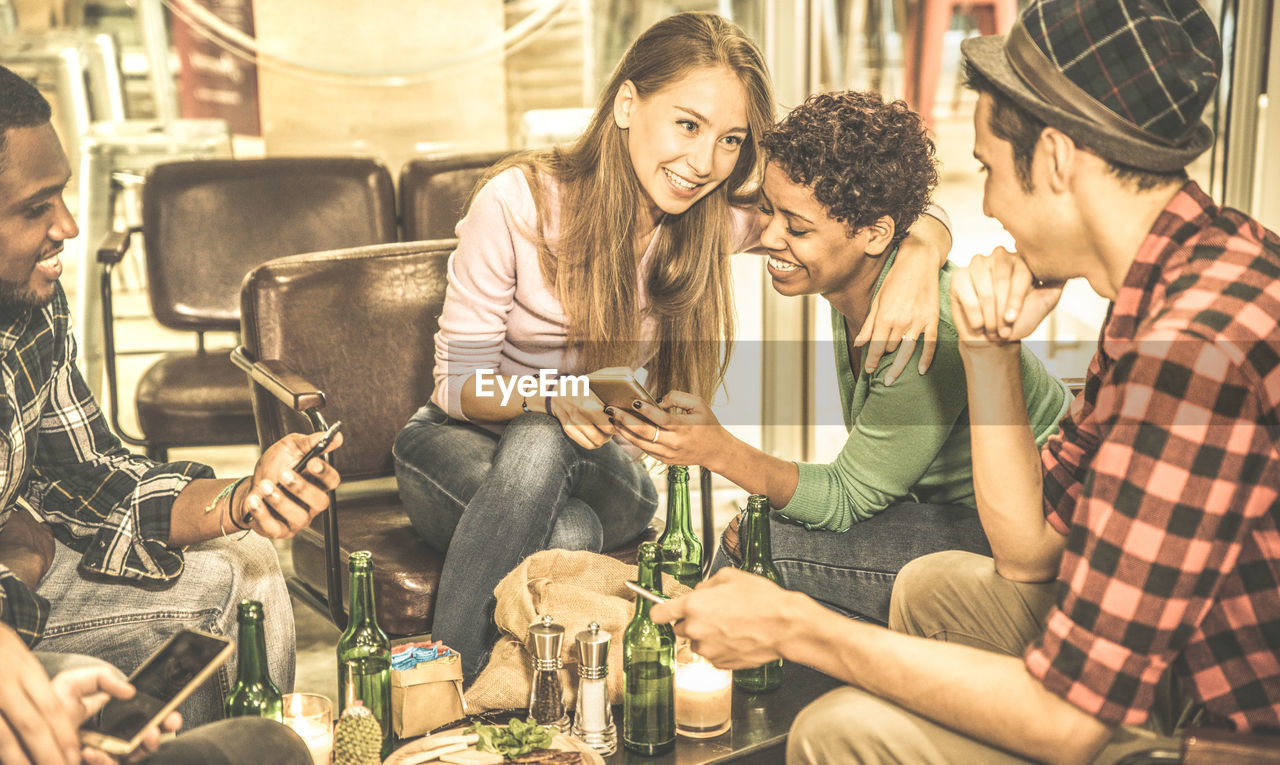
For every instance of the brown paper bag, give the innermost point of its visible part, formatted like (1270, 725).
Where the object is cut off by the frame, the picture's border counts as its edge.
(427, 696)
(575, 588)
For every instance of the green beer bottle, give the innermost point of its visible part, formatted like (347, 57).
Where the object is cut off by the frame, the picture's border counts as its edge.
(364, 653)
(681, 548)
(757, 558)
(253, 695)
(648, 670)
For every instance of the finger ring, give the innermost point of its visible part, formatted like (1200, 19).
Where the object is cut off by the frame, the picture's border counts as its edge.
(656, 433)
(908, 337)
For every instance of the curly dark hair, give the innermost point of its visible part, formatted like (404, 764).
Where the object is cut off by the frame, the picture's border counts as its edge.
(862, 157)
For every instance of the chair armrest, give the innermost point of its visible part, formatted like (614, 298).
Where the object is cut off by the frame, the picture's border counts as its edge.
(276, 378)
(114, 245)
(1211, 746)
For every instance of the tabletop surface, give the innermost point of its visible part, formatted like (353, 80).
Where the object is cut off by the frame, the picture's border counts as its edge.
(759, 722)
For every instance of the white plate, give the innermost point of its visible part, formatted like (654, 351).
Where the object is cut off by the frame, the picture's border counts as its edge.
(561, 741)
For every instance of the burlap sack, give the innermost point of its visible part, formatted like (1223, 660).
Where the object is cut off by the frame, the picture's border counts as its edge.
(575, 589)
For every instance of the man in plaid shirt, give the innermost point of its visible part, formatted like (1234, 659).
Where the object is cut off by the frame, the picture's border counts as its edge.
(1135, 584)
(103, 552)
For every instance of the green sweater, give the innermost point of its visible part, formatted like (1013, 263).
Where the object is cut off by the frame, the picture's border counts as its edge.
(909, 442)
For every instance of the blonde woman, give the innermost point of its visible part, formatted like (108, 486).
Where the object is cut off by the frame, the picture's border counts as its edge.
(613, 251)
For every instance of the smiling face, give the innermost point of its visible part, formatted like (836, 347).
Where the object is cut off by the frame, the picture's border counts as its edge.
(34, 220)
(811, 252)
(684, 139)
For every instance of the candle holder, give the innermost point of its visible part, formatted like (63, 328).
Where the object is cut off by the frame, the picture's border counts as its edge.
(311, 717)
(704, 696)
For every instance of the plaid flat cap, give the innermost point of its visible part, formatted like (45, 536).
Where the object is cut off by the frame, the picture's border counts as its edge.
(1129, 79)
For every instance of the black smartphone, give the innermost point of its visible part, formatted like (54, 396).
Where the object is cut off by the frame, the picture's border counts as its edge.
(163, 681)
(319, 448)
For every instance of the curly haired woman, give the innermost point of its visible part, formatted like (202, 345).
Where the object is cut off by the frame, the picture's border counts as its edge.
(846, 175)
(611, 251)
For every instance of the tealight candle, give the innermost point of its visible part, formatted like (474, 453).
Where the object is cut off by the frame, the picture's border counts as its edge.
(704, 696)
(311, 717)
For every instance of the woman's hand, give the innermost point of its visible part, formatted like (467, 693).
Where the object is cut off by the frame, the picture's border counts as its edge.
(681, 430)
(583, 419)
(278, 503)
(905, 307)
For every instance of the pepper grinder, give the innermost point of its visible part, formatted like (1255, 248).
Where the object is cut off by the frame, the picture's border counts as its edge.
(593, 718)
(546, 697)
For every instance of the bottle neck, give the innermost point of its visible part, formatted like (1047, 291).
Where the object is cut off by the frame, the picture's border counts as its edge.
(252, 660)
(362, 611)
(678, 513)
(650, 578)
(756, 548)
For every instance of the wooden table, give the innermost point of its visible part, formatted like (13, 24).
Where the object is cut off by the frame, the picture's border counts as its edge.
(760, 725)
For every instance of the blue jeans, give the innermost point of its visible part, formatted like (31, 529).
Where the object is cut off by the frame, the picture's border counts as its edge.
(123, 622)
(488, 502)
(239, 741)
(853, 571)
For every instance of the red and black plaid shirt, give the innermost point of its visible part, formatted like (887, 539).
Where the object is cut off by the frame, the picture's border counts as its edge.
(1165, 479)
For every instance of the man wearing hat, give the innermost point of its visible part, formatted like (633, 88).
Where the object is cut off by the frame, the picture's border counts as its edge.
(1135, 584)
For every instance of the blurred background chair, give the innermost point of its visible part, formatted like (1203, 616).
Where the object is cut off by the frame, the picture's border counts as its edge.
(434, 191)
(205, 225)
(928, 23)
(370, 367)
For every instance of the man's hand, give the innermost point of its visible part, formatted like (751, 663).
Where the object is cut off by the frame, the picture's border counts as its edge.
(278, 503)
(681, 430)
(995, 299)
(734, 619)
(26, 547)
(83, 692)
(35, 725)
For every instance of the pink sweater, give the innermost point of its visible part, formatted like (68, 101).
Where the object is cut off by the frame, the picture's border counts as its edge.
(499, 314)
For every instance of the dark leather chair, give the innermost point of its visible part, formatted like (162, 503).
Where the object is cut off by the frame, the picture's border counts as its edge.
(205, 224)
(434, 191)
(349, 335)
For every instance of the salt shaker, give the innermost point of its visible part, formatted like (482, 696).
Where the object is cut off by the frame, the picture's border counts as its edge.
(593, 718)
(546, 697)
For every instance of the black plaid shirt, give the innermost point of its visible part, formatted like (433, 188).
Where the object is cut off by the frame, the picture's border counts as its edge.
(1165, 478)
(57, 452)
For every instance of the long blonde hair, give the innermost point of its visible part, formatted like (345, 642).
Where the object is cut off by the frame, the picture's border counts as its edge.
(592, 262)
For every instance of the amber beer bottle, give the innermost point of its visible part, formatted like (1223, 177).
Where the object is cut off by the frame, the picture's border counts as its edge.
(681, 548)
(757, 558)
(364, 652)
(253, 695)
(648, 668)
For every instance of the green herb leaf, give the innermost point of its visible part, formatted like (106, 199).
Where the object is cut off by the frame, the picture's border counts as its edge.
(517, 738)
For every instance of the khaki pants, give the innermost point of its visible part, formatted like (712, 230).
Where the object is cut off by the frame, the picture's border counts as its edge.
(957, 597)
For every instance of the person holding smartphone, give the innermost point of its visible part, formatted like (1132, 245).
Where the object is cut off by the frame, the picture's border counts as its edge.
(611, 251)
(846, 174)
(45, 697)
(104, 552)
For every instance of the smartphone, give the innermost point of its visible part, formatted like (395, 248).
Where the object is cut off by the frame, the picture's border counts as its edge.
(618, 387)
(646, 593)
(163, 681)
(319, 448)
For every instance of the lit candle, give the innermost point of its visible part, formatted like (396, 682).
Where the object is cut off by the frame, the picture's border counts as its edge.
(311, 717)
(704, 696)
